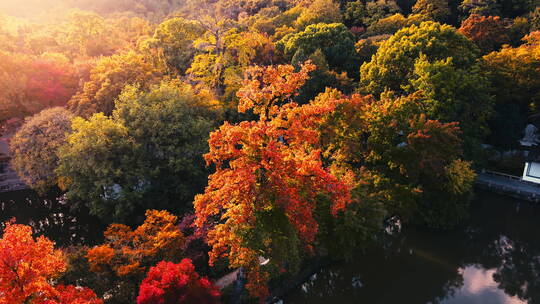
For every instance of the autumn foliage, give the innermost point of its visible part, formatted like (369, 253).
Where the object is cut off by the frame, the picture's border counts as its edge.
(130, 252)
(73, 295)
(170, 283)
(266, 89)
(265, 167)
(301, 168)
(28, 265)
(488, 33)
(29, 84)
(51, 83)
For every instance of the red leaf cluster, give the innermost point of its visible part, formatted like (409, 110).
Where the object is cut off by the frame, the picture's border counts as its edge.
(169, 283)
(488, 33)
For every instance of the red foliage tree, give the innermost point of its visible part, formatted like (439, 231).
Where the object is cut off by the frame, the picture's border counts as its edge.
(488, 33)
(169, 283)
(50, 83)
(266, 170)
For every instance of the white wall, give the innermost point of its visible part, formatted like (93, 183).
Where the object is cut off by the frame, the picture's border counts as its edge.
(531, 172)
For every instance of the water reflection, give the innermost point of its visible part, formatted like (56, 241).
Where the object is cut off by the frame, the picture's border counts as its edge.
(50, 216)
(479, 287)
(494, 258)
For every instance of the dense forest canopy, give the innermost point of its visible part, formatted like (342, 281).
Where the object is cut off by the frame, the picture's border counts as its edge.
(249, 134)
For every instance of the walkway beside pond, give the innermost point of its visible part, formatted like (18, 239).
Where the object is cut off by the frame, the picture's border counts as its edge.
(509, 185)
(9, 181)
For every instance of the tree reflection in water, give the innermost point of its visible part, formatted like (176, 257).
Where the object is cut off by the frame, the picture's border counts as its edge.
(494, 258)
(50, 216)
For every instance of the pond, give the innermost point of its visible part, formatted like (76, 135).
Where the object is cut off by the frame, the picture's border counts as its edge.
(494, 259)
(50, 216)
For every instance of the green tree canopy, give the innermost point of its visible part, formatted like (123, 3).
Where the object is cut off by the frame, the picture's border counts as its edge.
(436, 10)
(376, 10)
(171, 123)
(174, 41)
(503, 8)
(393, 64)
(456, 95)
(390, 25)
(334, 40)
(442, 63)
(99, 167)
(320, 11)
(364, 14)
(419, 162)
(147, 155)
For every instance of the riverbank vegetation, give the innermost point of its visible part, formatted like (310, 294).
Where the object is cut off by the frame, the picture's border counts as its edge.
(223, 134)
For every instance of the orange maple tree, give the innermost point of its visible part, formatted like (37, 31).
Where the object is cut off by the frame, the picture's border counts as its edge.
(69, 294)
(270, 166)
(130, 252)
(26, 267)
(488, 33)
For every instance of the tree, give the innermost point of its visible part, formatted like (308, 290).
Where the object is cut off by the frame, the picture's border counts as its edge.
(405, 164)
(73, 295)
(417, 162)
(334, 40)
(30, 84)
(171, 283)
(267, 181)
(321, 78)
(390, 25)
(456, 95)
(170, 125)
(51, 81)
(535, 19)
(319, 11)
(355, 14)
(393, 64)
(436, 10)
(35, 146)
(514, 76)
(488, 33)
(98, 167)
(84, 35)
(127, 254)
(174, 41)
(147, 155)
(366, 48)
(485, 8)
(209, 65)
(376, 10)
(108, 78)
(225, 56)
(437, 60)
(130, 252)
(13, 102)
(8, 39)
(503, 8)
(28, 265)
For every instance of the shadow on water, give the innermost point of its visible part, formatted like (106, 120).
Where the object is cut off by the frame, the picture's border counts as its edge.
(494, 258)
(50, 216)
